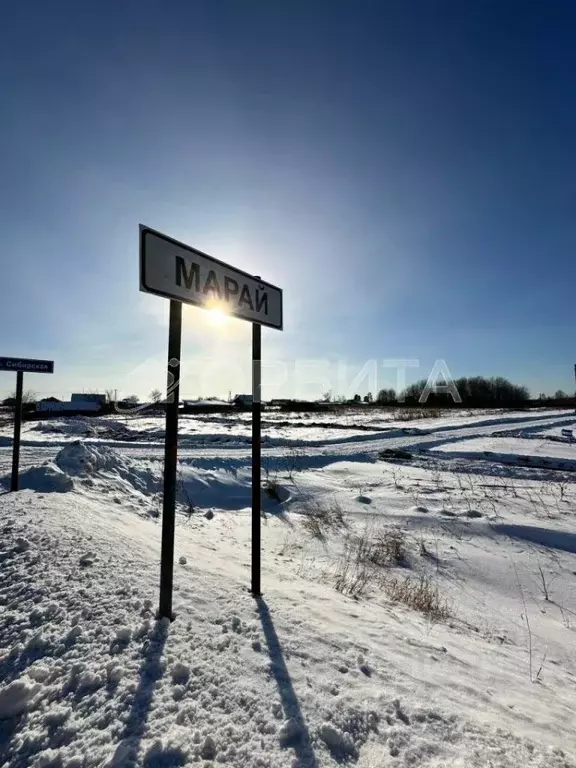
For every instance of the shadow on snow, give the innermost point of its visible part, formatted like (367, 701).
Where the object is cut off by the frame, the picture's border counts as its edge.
(298, 736)
(151, 670)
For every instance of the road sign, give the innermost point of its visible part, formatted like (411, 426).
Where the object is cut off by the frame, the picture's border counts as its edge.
(176, 271)
(182, 274)
(26, 365)
(20, 366)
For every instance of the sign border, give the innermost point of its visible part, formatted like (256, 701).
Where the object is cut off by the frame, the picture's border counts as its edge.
(143, 286)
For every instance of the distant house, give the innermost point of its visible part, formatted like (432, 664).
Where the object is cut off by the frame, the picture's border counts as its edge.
(88, 397)
(242, 401)
(88, 403)
(208, 403)
(68, 407)
(205, 406)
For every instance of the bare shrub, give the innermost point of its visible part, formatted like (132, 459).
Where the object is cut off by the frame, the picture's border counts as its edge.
(421, 594)
(546, 582)
(526, 618)
(294, 461)
(354, 574)
(396, 477)
(422, 548)
(321, 517)
(387, 548)
(313, 525)
(271, 488)
(363, 558)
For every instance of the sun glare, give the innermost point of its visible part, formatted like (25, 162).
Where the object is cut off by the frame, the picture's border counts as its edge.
(217, 316)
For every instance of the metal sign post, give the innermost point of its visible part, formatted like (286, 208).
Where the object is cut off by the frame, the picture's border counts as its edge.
(20, 366)
(17, 428)
(170, 460)
(256, 456)
(175, 271)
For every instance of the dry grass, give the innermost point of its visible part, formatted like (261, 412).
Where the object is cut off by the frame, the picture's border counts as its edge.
(413, 414)
(321, 517)
(355, 575)
(388, 548)
(363, 558)
(271, 488)
(420, 593)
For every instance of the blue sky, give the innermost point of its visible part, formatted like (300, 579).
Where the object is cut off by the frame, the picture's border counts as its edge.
(403, 170)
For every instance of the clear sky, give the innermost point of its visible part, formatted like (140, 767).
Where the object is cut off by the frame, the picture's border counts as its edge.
(403, 169)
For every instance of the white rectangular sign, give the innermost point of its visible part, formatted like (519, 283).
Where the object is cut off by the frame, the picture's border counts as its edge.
(176, 271)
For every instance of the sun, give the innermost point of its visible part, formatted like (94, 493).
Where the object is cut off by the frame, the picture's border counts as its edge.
(217, 316)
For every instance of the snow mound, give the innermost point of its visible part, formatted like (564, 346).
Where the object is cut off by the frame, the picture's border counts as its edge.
(72, 426)
(89, 463)
(79, 458)
(47, 478)
(85, 466)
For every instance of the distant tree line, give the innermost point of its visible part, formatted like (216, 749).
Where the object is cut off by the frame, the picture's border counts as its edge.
(558, 395)
(474, 391)
(495, 392)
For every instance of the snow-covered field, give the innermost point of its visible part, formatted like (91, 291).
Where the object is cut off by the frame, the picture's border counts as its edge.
(419, 602)
(277, 427)
(560, 455)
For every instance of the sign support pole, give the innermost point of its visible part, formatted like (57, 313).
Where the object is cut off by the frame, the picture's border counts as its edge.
(256, 456)
(170, 461)
(17, 428)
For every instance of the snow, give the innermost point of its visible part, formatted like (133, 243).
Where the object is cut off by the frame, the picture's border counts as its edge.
(47, 479)
(16, 697)
(513, 450)
(278, 427)
(307, 676)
